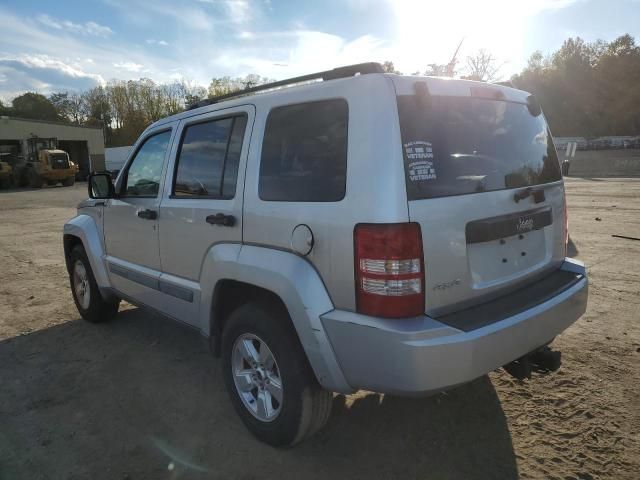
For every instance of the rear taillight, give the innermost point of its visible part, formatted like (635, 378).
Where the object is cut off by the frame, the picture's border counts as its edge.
(566, 223)
(389, 270)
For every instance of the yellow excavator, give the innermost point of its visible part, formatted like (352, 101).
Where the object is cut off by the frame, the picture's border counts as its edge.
(45, 164)
(6, 170)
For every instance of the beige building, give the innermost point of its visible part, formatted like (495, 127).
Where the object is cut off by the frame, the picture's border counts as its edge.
(85, 145)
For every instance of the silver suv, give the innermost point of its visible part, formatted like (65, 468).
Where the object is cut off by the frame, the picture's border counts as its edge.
(340, 231)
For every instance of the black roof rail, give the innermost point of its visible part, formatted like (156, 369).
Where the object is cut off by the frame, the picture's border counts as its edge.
(340, 72)
(505, 83)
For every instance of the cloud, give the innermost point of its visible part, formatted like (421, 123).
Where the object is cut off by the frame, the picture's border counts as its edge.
(129, 66)
(162, 43)
(239, 10)
(87, 28)
(186, 14)
(43, 74)
(71, 60)
(214, 38)
(282, 54)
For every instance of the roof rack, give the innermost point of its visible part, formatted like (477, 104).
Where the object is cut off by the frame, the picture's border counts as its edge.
(340, 72)
(506, 83)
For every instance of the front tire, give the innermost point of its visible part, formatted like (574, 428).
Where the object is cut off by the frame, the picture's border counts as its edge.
(86, 295)
(69, 182)
(268, 377)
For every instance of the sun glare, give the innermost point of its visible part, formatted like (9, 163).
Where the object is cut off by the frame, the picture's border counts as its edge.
(429, 32)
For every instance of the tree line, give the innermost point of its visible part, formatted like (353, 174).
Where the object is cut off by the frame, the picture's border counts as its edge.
(123, 108)
(586, 89)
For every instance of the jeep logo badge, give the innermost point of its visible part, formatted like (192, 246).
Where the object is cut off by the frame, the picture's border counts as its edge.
(524, 224)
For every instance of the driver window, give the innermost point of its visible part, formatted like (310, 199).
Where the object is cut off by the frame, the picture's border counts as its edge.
(143, 177)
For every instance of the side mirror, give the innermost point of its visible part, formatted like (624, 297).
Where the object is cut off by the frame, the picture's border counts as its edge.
(101, 186)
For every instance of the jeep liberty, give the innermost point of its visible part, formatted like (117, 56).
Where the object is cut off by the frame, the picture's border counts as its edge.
(344, 230)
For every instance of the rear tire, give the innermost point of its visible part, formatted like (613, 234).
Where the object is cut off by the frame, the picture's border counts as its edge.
(86, 295)
(69, 182)
(305, 405)
(35, 180)
(19, 179)
(5, 182)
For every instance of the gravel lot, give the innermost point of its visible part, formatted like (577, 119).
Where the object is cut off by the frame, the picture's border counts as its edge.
(141, 398)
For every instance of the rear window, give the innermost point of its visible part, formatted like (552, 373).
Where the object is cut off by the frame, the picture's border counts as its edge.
(461, 145)
(304, 152)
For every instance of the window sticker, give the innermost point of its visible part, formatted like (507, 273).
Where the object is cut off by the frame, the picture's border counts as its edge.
(420, 156)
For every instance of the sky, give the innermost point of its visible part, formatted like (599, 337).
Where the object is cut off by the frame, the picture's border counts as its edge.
(48, 46)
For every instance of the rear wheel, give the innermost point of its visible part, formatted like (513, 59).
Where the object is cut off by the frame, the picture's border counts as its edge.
(35, 180)
(68, 182)
(268, 377)
(19, 178)
(5, 182)
(86, 295)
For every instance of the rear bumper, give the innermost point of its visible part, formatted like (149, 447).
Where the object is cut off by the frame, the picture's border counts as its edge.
(423, 355)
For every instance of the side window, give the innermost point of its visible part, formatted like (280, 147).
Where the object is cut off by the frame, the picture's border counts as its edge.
(207, 162)
(304, 152)
(143, 176)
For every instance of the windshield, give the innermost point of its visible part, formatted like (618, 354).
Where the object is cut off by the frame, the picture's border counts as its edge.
(461, 145)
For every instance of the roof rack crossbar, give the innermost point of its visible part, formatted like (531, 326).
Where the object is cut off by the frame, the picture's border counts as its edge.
(340, 72)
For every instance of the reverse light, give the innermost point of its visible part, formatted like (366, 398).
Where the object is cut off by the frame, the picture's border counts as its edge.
(389, 270)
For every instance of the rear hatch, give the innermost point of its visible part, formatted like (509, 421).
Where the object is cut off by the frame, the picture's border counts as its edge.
(484, 183)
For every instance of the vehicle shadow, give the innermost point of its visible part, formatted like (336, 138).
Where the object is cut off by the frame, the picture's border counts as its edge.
(590, 179)
(572, 250)
(44, 188)
(141, 397)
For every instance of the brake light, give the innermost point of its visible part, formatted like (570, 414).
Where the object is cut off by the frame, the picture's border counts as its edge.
(566, 222)
(389, 270)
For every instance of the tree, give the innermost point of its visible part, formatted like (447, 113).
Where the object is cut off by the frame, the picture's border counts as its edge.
(226, 85)
(437, 70)
(4, 109)
(388, 67)
(70, 106)
(194, 94)
(482, 66)
(587, 89)
(36, 106)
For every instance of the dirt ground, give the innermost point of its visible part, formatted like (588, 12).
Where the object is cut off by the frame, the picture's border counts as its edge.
(141, 398)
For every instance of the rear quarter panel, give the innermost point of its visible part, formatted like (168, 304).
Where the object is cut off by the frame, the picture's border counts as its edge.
(375, 189)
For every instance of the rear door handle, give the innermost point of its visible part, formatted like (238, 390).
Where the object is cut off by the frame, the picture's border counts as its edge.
(148, 214)
(221, 219)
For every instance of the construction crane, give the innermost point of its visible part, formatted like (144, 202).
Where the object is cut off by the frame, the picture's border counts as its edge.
(452, 64)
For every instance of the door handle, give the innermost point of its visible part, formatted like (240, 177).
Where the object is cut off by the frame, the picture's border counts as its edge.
(148, 214)
(221, 219)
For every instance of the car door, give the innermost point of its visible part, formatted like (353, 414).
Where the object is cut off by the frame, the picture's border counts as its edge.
(202, 201)
(131, 220)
